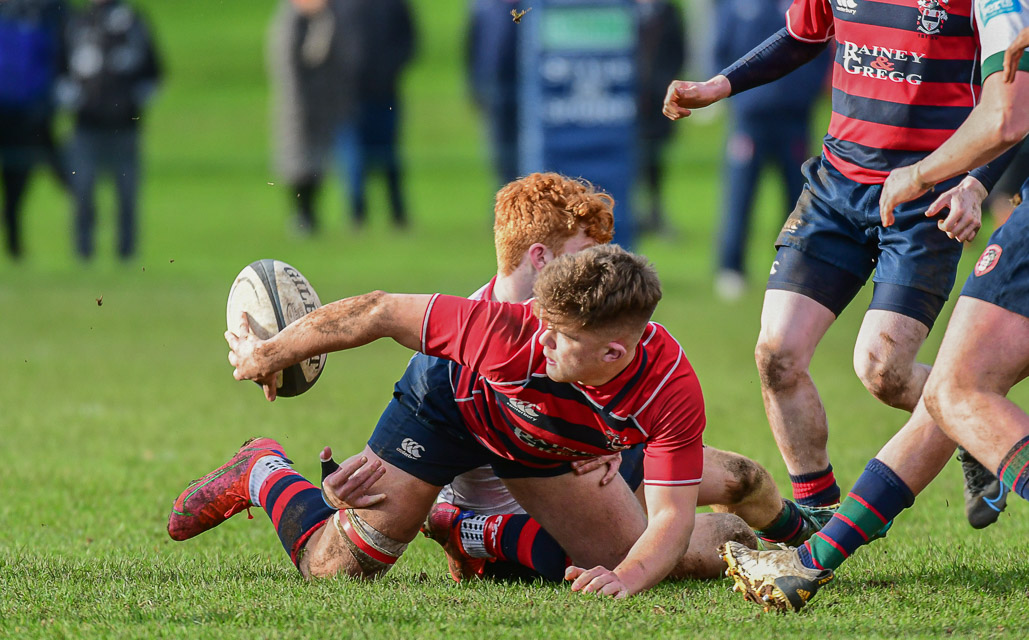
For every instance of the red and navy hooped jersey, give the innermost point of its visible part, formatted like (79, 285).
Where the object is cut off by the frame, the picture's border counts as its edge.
(514, 409)
(904, 78)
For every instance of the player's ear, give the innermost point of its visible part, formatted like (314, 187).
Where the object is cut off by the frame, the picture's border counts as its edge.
(539, 255)
(615, 351)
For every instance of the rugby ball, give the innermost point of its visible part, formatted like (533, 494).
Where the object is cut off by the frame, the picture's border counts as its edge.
(273, 294)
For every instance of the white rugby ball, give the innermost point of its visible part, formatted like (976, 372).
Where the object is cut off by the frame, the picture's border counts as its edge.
(273, 294)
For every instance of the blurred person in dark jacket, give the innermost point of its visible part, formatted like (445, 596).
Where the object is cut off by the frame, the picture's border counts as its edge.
(311, 59)
(387, 37)
(110, 73)
(492, 67)
(30, 54)
(770, 124)
(661, 55)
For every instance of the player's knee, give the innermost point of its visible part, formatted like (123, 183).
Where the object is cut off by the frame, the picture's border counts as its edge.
(778, 367)
(887, 382)
(746, 477)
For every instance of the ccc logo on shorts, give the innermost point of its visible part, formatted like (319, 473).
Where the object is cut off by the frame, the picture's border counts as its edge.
(410, 448)
(988, 260)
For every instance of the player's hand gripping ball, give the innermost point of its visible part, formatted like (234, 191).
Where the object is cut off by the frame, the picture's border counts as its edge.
(273, 294)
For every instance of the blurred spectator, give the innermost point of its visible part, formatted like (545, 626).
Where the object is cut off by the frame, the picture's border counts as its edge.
(386, 34)
(311, 58)
(767, 124)
(111, 71)
(1002, 199)
(30, 53)
(492, 63)
(660, 59)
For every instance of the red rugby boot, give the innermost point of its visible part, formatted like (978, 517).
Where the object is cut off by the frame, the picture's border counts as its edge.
(443, 524)
(221, 494)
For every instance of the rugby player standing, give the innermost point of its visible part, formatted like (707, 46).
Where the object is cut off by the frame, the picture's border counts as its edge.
(984, 353)
(903, 81)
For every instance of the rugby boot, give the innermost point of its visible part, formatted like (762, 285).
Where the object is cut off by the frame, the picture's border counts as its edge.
(443, 524)
(221, 494)
(773, 579)
(985, 496)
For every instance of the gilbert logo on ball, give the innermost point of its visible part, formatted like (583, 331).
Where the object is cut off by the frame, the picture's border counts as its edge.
(273, 295)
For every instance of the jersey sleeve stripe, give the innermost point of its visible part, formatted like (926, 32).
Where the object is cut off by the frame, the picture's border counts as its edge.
(995, 63)
(657, 389)
(425, 320)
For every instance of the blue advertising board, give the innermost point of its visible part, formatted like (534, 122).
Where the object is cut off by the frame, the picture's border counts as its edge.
(578, 96)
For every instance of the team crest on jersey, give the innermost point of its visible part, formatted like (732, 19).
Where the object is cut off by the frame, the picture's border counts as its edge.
(988, 260)
(614, 441)
(931, 15)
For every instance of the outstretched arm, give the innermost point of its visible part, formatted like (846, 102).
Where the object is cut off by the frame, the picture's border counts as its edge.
(337, 326)
(770, 60)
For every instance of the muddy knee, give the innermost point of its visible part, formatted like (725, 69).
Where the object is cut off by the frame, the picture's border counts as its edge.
(886, 381)
(744, 477)
(778, 368)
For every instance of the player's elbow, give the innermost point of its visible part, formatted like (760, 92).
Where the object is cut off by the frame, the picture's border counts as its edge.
(1013, 125)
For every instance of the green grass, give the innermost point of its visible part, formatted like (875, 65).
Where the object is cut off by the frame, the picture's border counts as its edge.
(106, 411)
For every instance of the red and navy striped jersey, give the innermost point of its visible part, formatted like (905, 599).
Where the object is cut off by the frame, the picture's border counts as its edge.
(514, 409)
(904, 78)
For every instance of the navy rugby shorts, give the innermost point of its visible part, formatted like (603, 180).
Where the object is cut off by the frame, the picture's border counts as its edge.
(423, 433)
(833, 241)
(1001, 275)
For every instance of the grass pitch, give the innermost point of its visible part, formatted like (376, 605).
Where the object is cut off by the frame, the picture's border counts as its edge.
(117, 392)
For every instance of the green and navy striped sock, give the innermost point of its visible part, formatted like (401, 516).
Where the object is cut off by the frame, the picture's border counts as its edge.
(877, 498)
(1014, 470)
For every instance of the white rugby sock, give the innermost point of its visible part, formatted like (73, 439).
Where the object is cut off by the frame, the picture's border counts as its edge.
(471, 536)
(264, 467)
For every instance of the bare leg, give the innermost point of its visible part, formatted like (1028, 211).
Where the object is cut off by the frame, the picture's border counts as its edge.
(919, 451)
(736, 484)
(984, 353)
(398, 517)
(884, 358)
(702, 560)
(791, 327)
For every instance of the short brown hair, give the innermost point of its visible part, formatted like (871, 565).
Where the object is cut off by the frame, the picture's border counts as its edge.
(548, 208)
(602, 287)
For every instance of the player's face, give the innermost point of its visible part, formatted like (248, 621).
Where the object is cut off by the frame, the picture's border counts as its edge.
(574, 355)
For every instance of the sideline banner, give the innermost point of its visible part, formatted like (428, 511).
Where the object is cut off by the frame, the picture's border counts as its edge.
(578, 96)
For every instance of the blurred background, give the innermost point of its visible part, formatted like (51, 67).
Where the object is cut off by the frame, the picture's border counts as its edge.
(213, 192)
(116, 390)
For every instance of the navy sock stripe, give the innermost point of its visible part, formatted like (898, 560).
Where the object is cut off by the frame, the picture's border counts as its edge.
(902, 495)
(304, 510)
(546, 556)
